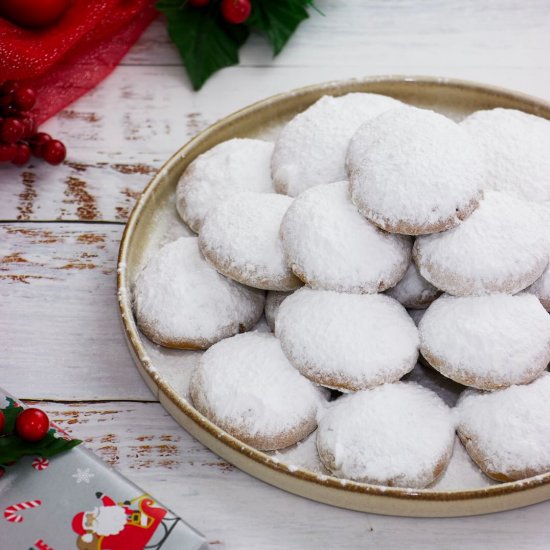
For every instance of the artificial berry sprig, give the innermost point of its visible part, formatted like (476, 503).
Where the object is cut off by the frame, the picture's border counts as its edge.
(28, 432)
(18, 135)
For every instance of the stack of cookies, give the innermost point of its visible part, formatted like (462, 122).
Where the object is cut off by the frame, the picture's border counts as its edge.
(371, 233)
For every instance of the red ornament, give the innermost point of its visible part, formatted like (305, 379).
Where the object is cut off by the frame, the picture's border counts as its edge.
(22, 155)
(37, 142)
(2, 422)
(12, 130)
(33, 13)
(7, 152)
(236, 11)
(198, 3)
(32, 424)
(24, 99)
(54, 152)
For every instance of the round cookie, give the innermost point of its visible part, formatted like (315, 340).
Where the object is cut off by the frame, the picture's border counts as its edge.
(414, 171)
(240, 238)
(516, 151)
(273, 301)
(311, 148)
(413, 291)
(181, 302)
(487, 342)
(265, 403)
(329, 245)
(507, 432)
(398, 435)
(500, 248)
(230, 167)
(347, 342)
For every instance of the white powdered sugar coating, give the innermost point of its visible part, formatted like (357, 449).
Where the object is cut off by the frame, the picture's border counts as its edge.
(231, 167)
(516, 150)
(487, 342)
(347, 341)
(399, 435)
(414, 171)
(330, 245)
(246, 385)
(507, 432)
(181, 301)
(501, 247)
(240, 237)
(273, 301)
(413, 291)
(311, 148)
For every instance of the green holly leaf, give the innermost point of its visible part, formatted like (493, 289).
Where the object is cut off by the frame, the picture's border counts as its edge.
(278, 19)
(205, 41)
(10, 416)
(12, 447)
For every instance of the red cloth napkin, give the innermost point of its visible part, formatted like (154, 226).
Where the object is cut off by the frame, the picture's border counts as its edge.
(69, 58)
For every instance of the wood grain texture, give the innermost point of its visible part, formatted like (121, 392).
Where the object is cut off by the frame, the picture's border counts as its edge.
(59, 315)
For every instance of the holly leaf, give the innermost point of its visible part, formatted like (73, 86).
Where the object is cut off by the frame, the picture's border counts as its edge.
(12, 447)
(278, 19)
(205, 41)
(10, 416)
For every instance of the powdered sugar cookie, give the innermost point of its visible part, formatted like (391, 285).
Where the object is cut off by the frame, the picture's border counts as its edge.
(273, 301)
(347, 341)
(413, 291)
(330, 245)
(240, 238)
(487, 342)
(500, 248)
(231, 167)
(180, 301)
(414, 171)
(399, 435)
(265, 403)
(311, 148)
(507, 432)
(516, 150)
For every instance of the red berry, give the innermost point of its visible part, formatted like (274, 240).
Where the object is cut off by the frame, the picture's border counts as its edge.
(7, 152)
(236, 11)
(2, 422)
(33, 13)
(9, 87)
(24, 99)
(5, 100)
(22, 155)
(9, 111)
(32, 424)
(54, 152)
(198, 3)
(37, 142)
(12, 130)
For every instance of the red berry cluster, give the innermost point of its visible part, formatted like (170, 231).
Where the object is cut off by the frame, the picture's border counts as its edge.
(18, 136)
(233, 11)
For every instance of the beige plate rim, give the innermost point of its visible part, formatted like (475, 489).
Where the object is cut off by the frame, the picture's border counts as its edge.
(326, 489)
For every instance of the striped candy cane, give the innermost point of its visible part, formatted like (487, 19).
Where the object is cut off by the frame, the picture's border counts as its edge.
(10, 513)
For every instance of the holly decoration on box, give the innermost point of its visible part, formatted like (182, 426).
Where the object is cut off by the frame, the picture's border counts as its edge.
(209, 33)
(28, 432)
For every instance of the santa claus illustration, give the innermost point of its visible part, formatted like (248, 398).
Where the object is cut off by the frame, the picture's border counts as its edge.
(119, 526)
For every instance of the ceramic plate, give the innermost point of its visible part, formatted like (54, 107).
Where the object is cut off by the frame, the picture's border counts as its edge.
(463, 490)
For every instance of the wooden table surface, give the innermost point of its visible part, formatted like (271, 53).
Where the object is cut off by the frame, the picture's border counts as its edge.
(61, 341)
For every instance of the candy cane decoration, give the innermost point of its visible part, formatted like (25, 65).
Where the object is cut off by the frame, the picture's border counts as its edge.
(40, 463)
(10, 513)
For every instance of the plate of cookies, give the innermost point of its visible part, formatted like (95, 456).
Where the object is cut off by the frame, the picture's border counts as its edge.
(343, 290)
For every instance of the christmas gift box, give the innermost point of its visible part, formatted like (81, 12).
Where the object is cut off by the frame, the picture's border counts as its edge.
(55, 495)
